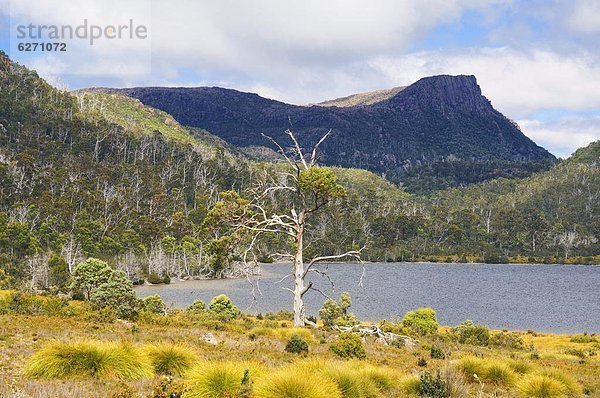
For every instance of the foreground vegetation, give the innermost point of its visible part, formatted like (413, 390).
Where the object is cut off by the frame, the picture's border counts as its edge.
(52, 347)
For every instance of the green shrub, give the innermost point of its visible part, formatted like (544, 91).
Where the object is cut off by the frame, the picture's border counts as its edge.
(90, 274)
(507, 340)
(124, 391)
(422, 321)
(285, 383)
(437, 353)
(223, 307)
(297, 345)
(88, 358)
(432, 386)
(334, 313)
(156, 279)
(584, 338)
(197, 307)
(349, 345)
(117, 293)
(168, 387)
(469, 333)
(219, 379)
(170, 359)
(540, 386)
(154, 304)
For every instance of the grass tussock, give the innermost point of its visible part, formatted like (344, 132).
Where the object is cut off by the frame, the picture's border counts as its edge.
(219, 379)
(284, 333)
(94, 359)
(572, 388)
(411, 386)
(540, 386)
(351, 382)
(520, 366)
(296, 384)
(487, 370)
(171, 359)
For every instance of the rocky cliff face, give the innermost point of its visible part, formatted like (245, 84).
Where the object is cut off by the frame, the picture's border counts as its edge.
(435, 119)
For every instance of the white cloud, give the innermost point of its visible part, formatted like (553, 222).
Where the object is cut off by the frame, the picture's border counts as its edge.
(585, 17)
(562, 137)
(517, 83)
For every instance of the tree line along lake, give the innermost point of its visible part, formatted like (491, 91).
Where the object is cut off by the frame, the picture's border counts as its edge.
(544, 298)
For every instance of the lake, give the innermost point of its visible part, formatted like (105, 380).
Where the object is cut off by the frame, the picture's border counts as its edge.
(545, 298)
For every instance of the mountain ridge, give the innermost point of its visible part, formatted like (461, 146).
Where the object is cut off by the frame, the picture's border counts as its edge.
(433, 120)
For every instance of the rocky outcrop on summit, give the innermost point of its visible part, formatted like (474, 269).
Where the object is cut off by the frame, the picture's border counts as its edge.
(435, 119)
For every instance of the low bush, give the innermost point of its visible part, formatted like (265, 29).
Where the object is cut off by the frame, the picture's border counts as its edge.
(431, 386)
(469, 333)
(437, 353)
(349, 345)
(507, 340)
(170, 359)
(422, 321)
(197, 307)
(156, 279)
(219, 379)
(89, 359)
(584, 338)
(124, 391)
(286, 383)
(336, 313)
(154, 304)
(297, 345)
(540, 386)
(168, 387)
(223, 308)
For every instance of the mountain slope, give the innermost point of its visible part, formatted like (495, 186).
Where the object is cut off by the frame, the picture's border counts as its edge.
(438, 118)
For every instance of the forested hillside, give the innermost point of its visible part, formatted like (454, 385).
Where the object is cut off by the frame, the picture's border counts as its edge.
(101, 175)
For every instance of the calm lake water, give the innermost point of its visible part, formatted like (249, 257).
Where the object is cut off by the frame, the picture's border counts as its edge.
(545, 298)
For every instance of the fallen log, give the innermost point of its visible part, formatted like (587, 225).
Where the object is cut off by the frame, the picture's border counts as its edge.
(374, 330)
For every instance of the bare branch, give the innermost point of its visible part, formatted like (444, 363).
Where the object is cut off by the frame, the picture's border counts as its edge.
(298, 149)
(313, 157)
(325, 275)
(352, 253)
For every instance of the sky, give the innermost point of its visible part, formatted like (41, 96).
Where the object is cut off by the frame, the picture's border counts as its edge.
(538, 62)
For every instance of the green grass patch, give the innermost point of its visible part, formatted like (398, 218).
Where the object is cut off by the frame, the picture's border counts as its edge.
(540, 386)
(171, 359)
(219, 379)
(296, 383)
(94, 359)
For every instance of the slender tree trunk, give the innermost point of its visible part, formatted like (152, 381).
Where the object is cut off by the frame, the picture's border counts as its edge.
(299, 275)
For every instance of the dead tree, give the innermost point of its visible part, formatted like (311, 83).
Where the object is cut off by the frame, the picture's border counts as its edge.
(306, 188)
